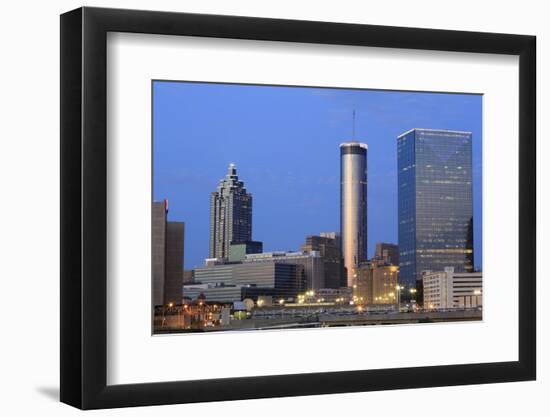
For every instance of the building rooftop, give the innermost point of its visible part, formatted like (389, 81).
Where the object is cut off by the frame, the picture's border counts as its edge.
(280, 254)
(354, 143)
(434, 130)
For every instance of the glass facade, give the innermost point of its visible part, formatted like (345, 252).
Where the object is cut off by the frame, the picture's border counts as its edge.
(434, 202)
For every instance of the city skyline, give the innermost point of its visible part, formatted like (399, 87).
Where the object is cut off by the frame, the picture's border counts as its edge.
(294, 193)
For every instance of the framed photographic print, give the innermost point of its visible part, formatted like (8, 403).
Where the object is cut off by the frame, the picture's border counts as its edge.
(300, 207)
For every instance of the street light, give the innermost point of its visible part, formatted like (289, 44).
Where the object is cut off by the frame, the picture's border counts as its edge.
(399, 288)
(412, 291)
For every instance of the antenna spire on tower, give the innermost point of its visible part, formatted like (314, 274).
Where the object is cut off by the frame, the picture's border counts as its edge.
(353, 136)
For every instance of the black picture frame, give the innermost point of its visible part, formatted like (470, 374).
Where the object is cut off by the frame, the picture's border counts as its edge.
(84, 207)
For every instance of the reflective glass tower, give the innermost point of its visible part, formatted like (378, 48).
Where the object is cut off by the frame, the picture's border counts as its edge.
(230, 214)
(434, 202)
(353, 206)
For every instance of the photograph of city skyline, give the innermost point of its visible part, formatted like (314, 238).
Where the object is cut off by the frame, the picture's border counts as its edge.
(283, 207)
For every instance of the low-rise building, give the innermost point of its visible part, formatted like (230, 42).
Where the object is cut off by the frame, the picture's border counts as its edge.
(227, 294)
(216, 274)
(448, 289)
(235, 281)
(221, 294)
(341, 295)
(312, 264)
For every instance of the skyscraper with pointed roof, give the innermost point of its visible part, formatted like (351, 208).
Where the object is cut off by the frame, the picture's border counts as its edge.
(230, 214)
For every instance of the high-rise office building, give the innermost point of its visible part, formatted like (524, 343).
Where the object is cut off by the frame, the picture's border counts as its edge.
(167, 256)
(328, 246)
(387, 252)
(434, 203)
(353, 206)
(230, 214)
(158, 243)
(173, 278)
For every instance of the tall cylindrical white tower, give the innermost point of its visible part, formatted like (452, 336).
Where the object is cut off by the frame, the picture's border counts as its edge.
(353, 206)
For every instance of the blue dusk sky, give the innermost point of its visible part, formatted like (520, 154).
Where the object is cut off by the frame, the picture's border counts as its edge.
(285, 144)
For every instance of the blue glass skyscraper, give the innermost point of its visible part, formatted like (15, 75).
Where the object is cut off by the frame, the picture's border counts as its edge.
(435, 212)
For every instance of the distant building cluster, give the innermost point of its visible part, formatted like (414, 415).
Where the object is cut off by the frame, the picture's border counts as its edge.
(432, 263)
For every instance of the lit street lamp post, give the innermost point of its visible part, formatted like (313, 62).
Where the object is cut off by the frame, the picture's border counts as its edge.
(412, 291)
(399, 288)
